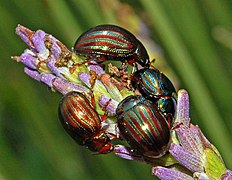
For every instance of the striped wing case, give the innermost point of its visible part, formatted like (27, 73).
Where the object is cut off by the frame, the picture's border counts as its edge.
(112, 43)
(155, 86)
(142, 125)
(78, 117)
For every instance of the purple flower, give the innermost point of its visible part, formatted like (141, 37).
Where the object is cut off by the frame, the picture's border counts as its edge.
(197, 157)
(191, 155)
(48, 61)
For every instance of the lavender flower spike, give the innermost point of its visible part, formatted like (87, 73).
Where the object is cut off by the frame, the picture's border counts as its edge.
(191, 155)
(48, 61)
(198, 158)
(167, 173)
(45, 56)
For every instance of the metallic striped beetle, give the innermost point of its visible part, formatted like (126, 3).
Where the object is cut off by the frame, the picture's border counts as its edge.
(110, 42)
(155, 86)
(143, 126)
(82, 122)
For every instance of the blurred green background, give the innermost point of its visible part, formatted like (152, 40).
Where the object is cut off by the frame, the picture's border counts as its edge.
(193, 46)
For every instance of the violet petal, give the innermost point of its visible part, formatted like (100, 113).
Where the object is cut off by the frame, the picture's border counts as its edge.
(55, 50)
(227, 175)
(170, 174)
(25, 34)
(32, 73)
(182, 115)
(127, 153)
(98, 87)
(189, 140)
(28, 59)
(189, 160)
(48, 79)
(38, 41)
(84, 77)
(64, 86)
(51, 65)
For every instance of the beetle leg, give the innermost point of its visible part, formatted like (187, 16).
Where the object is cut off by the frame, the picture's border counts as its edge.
(105, 150)
(153, 60)
(105, 115)
(92, 100)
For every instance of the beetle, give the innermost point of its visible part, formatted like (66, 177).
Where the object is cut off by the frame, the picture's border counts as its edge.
(111, 42)
(82, 122)
(155, 86)
(143, 126)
